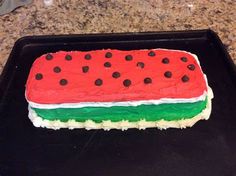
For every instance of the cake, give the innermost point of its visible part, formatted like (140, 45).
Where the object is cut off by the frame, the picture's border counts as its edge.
(116, 89)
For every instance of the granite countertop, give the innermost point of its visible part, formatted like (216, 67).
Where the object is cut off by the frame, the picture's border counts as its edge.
(106, 16)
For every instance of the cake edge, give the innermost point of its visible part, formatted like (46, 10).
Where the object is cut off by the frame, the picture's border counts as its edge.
(124, 124)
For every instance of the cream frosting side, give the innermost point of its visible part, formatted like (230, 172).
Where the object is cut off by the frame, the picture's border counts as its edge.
(123, 125)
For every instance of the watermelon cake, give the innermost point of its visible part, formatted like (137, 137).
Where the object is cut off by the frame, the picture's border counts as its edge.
(115, 89)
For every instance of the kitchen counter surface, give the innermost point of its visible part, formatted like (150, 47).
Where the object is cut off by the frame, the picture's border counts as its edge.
(104, 16)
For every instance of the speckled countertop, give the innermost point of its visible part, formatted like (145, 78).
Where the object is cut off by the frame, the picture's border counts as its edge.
(105, 16)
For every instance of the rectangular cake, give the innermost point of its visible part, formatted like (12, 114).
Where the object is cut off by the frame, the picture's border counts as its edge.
(115, 89)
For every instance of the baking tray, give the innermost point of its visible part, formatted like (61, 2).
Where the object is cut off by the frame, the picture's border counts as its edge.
(208, 148)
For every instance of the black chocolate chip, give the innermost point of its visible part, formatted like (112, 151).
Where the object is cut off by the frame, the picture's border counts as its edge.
(129, 57)
(57, 69)
(85, 69)
(126, 82)
(63, 82)
(68, 57)
(38, 76)
(191, 67)
(165, 60)
(107, 64)
(115, 74)
(108, 55)
(98, 82)
(49, 57)
(168, 74)
(87, 56)
(184, 59)
(151, 53)
(185, 78)
(147, 80)
(140, 64)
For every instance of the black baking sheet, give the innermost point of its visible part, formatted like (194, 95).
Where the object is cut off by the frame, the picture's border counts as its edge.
(208, 148)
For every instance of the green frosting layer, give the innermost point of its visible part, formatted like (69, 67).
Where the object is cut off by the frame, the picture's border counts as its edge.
(168, 112)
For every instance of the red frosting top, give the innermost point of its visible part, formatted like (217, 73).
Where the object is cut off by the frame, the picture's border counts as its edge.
(114, 75)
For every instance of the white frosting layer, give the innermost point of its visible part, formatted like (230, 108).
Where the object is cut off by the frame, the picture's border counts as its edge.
(123, 103)
(124, 124)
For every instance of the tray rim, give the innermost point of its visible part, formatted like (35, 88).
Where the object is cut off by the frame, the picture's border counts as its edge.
(19, 44)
